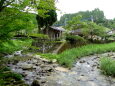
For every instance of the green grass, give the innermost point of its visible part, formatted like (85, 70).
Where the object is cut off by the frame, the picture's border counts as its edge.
(107, 65)
(68, 57)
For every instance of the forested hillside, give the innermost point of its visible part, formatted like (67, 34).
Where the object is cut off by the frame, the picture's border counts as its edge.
(95, 15)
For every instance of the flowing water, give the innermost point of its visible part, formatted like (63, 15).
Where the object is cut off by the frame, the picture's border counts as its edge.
(85, 72)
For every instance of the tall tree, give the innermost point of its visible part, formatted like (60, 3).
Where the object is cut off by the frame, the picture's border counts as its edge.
(49, 10)
(15, 16)
(47, 21)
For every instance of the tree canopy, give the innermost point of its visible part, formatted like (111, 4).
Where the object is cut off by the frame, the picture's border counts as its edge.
(16, 15)
(95, 15)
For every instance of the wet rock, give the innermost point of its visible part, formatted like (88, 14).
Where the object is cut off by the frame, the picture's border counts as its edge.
(82, 61)
(15, 62)
(18, 53)
(9, 56)
(98, 67)
(82, 75)
(43, 82)
(92, 69)
(35, 83)
(88, 63)
(24, 74)
(49, 69)
(91, 83)
(29, 54)
(62, 69)
(94, 65)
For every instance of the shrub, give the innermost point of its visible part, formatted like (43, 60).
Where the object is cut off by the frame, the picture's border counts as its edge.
(107, 65)
(9, 78)
(76, 40)
(14, 45)
(5, 73)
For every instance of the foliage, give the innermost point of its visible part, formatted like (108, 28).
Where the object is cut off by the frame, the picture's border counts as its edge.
(15, 19)
(95, 15)
(107, 66)
(14, 45)
(17, 4)
(94, 29)
(47, 21)
(8, 78)
(49, 56)
(87, 28)
(11, 22)
(77, 40)
(45, 6)
(68, 57)
(75, 23)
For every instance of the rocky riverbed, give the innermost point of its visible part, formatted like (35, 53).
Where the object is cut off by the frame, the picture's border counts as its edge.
(35, 68)
(85, 72)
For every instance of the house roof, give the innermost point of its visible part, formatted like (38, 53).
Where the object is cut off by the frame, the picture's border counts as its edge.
(57, 28)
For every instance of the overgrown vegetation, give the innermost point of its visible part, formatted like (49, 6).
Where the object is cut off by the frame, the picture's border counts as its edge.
(14, 45)
(76, 40)
(68, 57)
(8, 78)
(107, 65)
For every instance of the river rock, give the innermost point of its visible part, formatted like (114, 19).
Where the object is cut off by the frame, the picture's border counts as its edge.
(18, 53)
(61, 69)
(82, 61)
(54, 61)
(35, 83)
(37, 56)
(27, 66)
(34, 61)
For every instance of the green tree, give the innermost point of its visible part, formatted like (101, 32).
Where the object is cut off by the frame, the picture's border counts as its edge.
(15, 16)
(96, 15)
(87, 28)
(75, 23)
(50, 14)
(48, 21)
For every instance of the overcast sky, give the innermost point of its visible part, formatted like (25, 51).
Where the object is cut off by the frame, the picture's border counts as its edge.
(73, 6)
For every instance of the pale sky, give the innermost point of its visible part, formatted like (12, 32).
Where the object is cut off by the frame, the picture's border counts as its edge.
(74, 6)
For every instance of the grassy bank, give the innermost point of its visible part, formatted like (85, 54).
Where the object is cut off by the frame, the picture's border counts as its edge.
(68, 57)
(107, 65)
